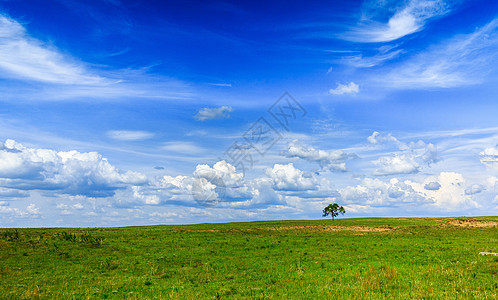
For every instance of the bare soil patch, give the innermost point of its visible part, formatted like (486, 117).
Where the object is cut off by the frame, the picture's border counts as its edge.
(471, 223)
(311, 228)
(330, 228)
(488, 253)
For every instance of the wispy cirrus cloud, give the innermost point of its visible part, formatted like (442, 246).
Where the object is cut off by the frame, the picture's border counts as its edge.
(26, 58)
(406, 20)
(221, 84)
(129, 135)
(182, 147)
(56, 75)
(459, 61)
(361, 61)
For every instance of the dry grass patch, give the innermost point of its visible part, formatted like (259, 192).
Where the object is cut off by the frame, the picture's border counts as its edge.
(471, 223)
(328, 228)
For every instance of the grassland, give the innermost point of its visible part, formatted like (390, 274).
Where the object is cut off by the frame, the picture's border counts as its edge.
(426, 258)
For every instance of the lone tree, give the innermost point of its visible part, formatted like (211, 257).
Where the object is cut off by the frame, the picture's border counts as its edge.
(334, 210)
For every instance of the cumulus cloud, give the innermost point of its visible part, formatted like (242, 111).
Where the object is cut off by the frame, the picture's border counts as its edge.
(450, 196)
(351, 88)
(219, 185)
(129, 135)
(445, 192)
(287, 177)
(408, 160)
(222, 173)
(432, 186)
(376, 192)
(406, 20)
(474, 189)
(489, 157)
(207, 113)
(328, 160)
(32, 209)
(72, 172)
(211, 184)
(378, 138)
(397, 164)
(158, 191)
(7, 213)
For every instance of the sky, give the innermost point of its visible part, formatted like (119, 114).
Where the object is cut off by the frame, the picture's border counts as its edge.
(118, 113)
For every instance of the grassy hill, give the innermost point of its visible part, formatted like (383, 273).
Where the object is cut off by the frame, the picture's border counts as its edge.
(348, 258)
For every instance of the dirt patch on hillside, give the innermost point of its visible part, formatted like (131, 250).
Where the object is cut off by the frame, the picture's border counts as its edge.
(471, 223)
(328, 228)
(305, 228)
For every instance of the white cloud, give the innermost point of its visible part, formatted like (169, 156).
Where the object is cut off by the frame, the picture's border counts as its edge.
(205, 192)
(32, 209)
(57, 75)
(8, 213)
(459, 61)
(211, 184)
(289, 178)
(217, 185)
(408, 160)
(449, 196)
(24, 57)
(222, 173)
(78, 206)
(489, 157)
(396, 164)
(406, 20)
(129, 135)
(159, 191)
(148, 199)
(376, 192)
(360, 61)
(183, 147)
(351, 88)
(72, 172)
(378, 138)
(207, 113)
(474, 189)
(62, 206)
(12, 193)
(432, 186)
(221, 84)
(328, 160)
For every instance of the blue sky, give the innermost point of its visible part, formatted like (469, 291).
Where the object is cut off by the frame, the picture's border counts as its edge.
(170, 112)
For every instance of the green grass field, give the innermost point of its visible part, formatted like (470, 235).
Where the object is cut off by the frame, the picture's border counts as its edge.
(426, 258)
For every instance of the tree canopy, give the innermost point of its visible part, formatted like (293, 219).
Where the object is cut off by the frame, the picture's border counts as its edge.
(334, 210)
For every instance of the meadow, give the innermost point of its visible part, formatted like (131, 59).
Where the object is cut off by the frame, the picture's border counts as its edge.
(369, 258)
